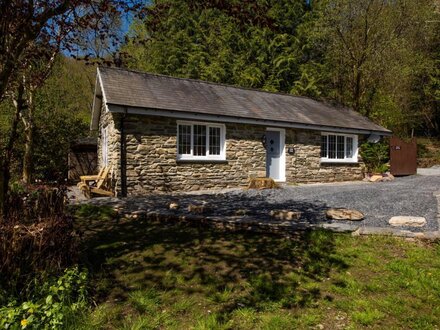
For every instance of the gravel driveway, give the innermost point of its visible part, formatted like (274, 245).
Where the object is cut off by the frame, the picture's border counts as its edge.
(407, 196)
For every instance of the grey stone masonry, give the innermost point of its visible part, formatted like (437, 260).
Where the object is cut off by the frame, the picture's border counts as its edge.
(304, 166)
(152, 166)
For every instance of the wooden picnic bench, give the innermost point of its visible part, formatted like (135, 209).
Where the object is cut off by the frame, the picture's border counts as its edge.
(96, 184)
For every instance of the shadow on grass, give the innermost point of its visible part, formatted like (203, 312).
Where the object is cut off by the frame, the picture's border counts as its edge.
(234, 269)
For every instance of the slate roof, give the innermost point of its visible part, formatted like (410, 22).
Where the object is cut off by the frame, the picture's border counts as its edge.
(152, 91)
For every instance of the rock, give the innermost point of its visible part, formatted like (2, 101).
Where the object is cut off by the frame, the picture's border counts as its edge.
(340, 227)
(174, 206)
(137, 214)
(407, 221)
(262, 183)
(285, 214)
(376, 178)
(198, 209)
(344, 214)
(241, 212)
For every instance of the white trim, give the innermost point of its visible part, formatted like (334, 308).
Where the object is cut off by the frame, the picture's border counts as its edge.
(283, 152)
(104, 146)
(104, 98)
(208, 157)
(352, 160)
(96, 107)
(225, 119)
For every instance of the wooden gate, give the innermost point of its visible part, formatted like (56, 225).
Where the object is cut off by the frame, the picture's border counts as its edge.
(403, 156)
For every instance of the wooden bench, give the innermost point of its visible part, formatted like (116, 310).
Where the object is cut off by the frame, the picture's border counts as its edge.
(96, 184)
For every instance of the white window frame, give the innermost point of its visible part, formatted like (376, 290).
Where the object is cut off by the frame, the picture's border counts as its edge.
(104, 146)
(346, 159)
(207, 157)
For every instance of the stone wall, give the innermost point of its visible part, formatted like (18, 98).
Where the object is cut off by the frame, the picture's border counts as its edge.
(305, 164)
(151, 163)
(112, 123)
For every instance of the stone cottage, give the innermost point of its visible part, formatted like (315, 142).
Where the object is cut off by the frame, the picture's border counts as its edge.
(159, 133)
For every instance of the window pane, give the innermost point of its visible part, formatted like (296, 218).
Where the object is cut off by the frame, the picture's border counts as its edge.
(323, 146)
(349, 147)
(214, 140)
(340, 147)
(332, 146)
(199, 140)
(184, 139)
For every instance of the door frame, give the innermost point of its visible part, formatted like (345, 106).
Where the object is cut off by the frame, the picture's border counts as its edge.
(283, 153)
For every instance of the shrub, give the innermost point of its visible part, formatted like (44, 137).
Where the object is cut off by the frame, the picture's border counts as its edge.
(50, 305)
(36, 237)
(32, 203)
(375, 156)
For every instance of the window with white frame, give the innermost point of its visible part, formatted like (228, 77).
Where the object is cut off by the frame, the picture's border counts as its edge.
(339, 148)
(104, 146)
(204, 141)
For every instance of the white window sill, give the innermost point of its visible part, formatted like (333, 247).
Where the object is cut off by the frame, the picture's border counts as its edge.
(339, 161)
(200, 160)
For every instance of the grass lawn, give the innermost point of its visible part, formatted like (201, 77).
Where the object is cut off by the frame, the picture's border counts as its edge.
(171, 276)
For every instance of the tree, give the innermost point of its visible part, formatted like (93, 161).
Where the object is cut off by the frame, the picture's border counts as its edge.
(27, 26)
(374, 52)
(245, 43)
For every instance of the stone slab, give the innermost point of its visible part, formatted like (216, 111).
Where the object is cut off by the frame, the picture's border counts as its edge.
(339, 227)
(344, 214)
(432, 171)
(407, 221)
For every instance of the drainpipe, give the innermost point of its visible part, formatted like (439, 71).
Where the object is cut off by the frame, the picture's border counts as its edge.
(123, 153)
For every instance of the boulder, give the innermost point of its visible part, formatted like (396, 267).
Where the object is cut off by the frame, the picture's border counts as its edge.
(262, 183)
(376, 178)
(407, 221)
(344, 214)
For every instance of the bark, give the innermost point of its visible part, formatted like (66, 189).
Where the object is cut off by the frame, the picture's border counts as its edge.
(5, 162)
(357, 91)
(29, 140)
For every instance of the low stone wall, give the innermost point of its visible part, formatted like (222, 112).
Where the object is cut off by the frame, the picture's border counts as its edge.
(151, 163)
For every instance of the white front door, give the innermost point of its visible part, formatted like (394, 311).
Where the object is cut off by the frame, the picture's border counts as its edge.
(275, 155)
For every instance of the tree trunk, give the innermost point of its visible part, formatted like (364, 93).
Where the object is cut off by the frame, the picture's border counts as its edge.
(5, 162)
(29, 143)
(357, 90)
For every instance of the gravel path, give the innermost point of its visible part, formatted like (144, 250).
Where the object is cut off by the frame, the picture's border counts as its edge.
(407, 196)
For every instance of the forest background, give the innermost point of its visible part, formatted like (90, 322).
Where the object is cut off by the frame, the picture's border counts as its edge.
(381, 58)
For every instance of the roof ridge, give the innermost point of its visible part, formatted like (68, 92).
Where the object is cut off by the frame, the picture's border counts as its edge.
(224, 85)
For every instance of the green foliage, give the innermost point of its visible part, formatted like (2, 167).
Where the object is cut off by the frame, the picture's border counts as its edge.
(62, 115)
(375, 156)
(52, 303)
(250, 44)
(428, 152)
(381, 58)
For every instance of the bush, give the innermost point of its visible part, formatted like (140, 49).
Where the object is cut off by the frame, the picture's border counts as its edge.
(50, 305)
(32, 203)
(35, 237)
(375, 156)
